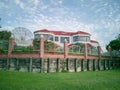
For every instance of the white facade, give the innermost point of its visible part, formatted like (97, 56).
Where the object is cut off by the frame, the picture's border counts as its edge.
(58, 37)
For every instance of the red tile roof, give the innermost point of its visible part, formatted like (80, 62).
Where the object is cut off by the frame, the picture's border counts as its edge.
(93, 41)
(71, 45)
(88, 44)
(62, 32)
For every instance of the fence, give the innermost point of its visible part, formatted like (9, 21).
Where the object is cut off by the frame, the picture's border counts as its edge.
(55, 62)
(46, 65)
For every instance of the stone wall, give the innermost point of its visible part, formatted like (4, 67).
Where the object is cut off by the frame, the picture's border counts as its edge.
(46, 65)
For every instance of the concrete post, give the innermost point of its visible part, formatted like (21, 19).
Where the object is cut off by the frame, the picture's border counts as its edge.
(94, 65)
(41, 46)
(11, 45)
(85, 51)
(82, 68)
(57, 65)
(98, 64)
(108, 64)
(110, 52)
(67, 64)
(104, 64)
(99, 51)
(65, 49)
(17, 64)
(41, 65)
(8, 63)
(48, 65)
(88, 61)
(75, 65)
(30, 65)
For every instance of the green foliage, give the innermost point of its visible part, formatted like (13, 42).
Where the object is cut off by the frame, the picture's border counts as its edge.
(118, 37)
(78, 48)
(22, 49)
(80, 44)
(5, 35)
(115, 46)
(48, 45)
(90, 80)
(2, 51)
(36, 44)
(4, 41)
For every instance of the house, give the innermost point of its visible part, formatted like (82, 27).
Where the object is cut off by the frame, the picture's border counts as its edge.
(58, 37)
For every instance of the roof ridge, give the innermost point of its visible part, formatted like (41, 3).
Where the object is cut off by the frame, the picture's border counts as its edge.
(62, 32)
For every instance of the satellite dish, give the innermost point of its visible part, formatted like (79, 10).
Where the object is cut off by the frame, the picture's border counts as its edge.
(23, 36)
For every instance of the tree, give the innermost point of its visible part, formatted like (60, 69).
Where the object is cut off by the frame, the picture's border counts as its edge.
(115, 46)
(48, 45)
(118, 37)
(5, 35)
(4, 40)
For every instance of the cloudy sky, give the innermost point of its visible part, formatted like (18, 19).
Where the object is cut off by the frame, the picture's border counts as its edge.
(101, 18)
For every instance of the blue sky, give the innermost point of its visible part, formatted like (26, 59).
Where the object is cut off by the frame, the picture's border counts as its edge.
(101, 18)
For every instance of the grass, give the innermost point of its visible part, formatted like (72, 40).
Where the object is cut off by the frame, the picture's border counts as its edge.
(97, 80)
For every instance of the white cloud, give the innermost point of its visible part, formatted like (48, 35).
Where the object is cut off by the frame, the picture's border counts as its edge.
(60, 2)
(30, 6)
(8, 28)
(54, 15)
(3, 5)
(36, 2)
(20, 4)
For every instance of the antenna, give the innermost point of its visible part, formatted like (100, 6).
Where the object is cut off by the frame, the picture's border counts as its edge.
(23, 36)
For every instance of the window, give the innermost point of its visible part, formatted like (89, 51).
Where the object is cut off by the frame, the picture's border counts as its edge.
(84, 38)
(88, 39)
(46, 36)
(56, 39)
(37, 36)
(62, 39)
(75, 38)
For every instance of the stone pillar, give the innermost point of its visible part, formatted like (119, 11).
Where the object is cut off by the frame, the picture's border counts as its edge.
(98, 64)
(110, 52)
(30, 69)
(88, 61)
(82, 67)
(41, 65)
(11, 45)
(48, 65)
(67, 64)
(8, 63)
(57, 65)
(94, 65)
(85, 51)
(65, 49)
(41, 46)
(75, 65)
(103, 64)
(108, 63)
(99, 51)
(17, 64)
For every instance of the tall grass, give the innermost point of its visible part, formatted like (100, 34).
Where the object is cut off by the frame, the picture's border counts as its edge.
(98, 80)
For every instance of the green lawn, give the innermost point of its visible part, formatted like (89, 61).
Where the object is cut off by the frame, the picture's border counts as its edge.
(97, 80)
